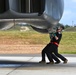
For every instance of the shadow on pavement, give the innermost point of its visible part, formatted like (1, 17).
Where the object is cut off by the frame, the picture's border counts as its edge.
(33, 65)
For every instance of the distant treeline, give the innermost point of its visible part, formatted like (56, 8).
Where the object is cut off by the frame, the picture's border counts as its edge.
(68, 27)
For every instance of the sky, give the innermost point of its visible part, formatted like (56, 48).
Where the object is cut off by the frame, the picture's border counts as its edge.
(69, 14)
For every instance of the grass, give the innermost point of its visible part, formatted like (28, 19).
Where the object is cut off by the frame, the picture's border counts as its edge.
(67, 44)
(30, 36)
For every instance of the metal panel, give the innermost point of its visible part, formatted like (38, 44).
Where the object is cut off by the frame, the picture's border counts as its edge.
(4, 6)
(54, 8)
(41, 14)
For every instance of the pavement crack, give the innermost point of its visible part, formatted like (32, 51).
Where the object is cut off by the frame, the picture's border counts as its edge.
(18, 67)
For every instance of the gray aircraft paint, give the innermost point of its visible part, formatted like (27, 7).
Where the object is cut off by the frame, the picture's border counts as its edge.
(13, 9)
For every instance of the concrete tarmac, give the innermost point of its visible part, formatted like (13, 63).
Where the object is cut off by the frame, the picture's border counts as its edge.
(28, 65)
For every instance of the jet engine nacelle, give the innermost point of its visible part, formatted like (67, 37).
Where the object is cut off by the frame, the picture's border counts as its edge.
(40, 14)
